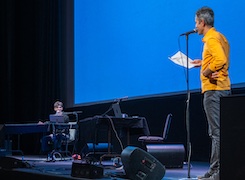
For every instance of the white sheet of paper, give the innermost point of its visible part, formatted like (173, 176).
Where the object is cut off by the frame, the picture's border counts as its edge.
(181, 59)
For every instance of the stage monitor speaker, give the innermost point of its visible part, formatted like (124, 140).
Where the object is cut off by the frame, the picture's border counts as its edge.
(90, 171)
(170, 155)
(12, 163)
(2, 135)
(140, 165)
(232, 137)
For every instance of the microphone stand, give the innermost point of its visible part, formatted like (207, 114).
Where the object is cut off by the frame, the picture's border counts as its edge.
(188, 109)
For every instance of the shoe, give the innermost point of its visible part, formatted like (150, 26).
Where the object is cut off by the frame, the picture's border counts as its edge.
(209, 178)
(206, 175)
(50, 158)
(214, 176)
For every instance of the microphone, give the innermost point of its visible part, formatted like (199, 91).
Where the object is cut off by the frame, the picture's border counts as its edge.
(121, 99)
(77, 112)
(74, 112)
(189, 32)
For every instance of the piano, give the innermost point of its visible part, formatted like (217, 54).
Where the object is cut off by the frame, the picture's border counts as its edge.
(11, 129)
(8, 130)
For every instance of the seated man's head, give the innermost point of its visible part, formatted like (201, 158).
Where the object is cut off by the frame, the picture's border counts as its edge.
(58, 107)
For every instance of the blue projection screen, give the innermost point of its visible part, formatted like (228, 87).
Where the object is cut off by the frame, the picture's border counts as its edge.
(121, 47)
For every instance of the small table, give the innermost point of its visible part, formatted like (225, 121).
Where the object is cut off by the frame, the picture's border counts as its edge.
(90, 125)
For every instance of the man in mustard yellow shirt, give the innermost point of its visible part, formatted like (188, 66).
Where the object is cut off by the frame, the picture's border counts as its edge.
(215, 81)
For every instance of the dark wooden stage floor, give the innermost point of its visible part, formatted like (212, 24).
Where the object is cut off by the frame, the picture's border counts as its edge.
(36, 167)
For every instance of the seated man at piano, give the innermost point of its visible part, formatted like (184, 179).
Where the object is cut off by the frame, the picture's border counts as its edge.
(53, 141)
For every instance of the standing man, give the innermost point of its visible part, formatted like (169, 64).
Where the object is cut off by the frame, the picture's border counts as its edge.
(215, 81)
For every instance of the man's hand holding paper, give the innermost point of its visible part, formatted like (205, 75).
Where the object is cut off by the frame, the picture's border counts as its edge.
(181, 59)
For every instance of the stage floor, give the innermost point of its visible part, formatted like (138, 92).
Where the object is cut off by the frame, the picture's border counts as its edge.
(36, 167)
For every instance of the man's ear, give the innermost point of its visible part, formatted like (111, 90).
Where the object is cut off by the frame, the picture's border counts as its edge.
(202, 23)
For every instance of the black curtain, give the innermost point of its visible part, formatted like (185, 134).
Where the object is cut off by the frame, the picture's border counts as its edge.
(32, 65)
